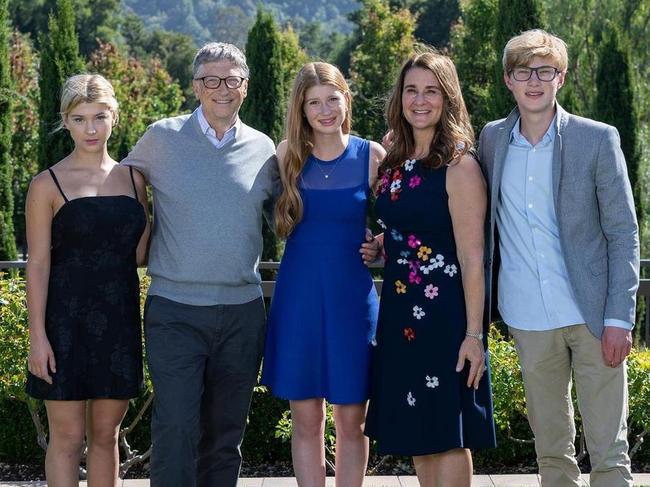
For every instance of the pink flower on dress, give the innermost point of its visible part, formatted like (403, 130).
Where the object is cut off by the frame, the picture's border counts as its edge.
(415, 181)
(431, 291)
(414, 242)
(414, 278)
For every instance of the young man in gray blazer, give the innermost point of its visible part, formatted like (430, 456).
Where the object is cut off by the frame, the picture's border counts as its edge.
(563, 244)
(211, 177)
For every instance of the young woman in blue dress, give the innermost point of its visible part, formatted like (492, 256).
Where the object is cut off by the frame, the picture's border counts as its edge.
(87, 230)
(324, 309)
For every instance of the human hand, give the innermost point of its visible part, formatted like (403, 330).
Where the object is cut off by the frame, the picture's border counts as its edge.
(41, 359)
(472, 350)
(616, 345)
(387, 140)
(370, 248)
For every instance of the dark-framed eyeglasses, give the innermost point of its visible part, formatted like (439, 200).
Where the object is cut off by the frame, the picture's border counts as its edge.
(544, 73)
(214, 82)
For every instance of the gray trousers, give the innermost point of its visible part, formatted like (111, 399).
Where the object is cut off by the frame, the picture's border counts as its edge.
(204, 362)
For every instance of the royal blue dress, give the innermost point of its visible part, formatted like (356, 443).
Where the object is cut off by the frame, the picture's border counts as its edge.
(324, 308)
(419, 404)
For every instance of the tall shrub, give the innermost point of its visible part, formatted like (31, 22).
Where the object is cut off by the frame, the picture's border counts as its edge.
(7, 239)
(59, 59)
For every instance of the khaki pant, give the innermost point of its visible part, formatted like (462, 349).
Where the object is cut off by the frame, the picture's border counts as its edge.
(547, 359)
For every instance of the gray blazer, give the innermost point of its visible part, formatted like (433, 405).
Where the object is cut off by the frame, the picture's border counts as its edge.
(599, 235)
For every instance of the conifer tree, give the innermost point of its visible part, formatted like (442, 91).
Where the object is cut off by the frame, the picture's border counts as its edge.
(7, 239)
(264, 106)
(615, 105)
(59, 59)
(513, 18)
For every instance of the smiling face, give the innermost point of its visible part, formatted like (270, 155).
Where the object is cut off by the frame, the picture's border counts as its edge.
(90, 126)
(325, 108)
(220, 105)
(535, 96)
(422, 99)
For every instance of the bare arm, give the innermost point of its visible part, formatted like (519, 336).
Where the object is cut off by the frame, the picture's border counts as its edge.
(142, 251)
(467, 206)
(38, 216)
(377, 154)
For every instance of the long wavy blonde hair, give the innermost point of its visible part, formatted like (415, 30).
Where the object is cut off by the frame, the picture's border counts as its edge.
(453, 136)
(289, 207)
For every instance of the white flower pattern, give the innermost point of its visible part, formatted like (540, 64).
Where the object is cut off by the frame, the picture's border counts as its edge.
(432, 381)
(381, 223)
(408, 165)
(418, 312)
(451, 270)
(410, 399)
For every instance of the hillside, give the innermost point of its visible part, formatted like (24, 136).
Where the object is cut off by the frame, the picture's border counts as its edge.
(230, 19)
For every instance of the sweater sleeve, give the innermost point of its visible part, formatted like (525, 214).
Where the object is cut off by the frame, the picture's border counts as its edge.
(143, 154)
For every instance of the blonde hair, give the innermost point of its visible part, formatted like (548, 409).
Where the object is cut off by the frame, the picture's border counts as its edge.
(86, 88)
(289, 207)
(534, 43)
(453, 136)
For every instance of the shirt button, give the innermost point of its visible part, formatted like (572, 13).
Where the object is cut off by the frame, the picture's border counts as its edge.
(530, 178)
(530, 205)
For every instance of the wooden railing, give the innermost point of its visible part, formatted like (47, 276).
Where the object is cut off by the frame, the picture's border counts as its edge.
(268, 286)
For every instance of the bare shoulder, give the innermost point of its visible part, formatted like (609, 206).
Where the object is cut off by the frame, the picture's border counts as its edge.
(43, 186)
(281, 151)
(465, 173)
(377, 152)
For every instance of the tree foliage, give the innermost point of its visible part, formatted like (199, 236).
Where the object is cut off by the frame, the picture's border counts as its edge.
(386, 41)
(7, 239)
(514, 17)
(615, 104)
(144, 90)
(24, 142)
(475, 57)
(59, 59)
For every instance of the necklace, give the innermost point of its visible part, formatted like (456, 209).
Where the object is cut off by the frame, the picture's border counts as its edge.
(334, 164)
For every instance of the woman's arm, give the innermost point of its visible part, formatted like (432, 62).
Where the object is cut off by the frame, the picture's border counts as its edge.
(38, 217)
(467, 206)
(377, 154)
(142, 251)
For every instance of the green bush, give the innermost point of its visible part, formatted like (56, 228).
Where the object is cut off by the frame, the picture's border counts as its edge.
(268, 430)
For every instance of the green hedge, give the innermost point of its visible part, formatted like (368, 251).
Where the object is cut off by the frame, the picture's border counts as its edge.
(268, 429)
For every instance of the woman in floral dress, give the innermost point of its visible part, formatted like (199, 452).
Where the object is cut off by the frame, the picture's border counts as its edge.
(430, 390)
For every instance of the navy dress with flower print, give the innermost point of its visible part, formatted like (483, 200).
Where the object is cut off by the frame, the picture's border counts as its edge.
(419, 404)
(324, 308)
(92, 316)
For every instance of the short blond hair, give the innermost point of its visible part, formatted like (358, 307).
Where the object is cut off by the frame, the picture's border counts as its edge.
(534, 43)
(86, 88)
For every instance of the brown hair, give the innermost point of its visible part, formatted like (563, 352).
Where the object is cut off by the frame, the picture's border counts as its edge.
(289, 207)
(453, 136)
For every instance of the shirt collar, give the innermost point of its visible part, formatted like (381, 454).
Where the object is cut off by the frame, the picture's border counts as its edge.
(206, 129)
(517, 138)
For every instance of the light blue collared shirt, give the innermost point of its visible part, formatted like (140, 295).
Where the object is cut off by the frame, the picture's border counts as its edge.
(211, 134)
(534, 289)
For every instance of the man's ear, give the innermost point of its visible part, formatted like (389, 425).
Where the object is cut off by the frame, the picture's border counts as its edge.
(561, 77)
(507, 80)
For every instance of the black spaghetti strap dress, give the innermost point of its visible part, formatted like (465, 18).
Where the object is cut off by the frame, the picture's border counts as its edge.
(92, 317)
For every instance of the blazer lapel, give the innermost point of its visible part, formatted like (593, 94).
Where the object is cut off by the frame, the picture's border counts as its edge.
(557, 155)
(500, 153)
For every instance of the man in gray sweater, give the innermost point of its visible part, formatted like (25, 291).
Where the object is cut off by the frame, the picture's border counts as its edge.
(212, 177)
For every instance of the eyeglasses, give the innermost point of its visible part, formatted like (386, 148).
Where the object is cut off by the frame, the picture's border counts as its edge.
(214, 82)
(544, 73)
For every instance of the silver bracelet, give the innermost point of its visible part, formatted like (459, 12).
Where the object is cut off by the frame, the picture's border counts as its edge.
(478, 334)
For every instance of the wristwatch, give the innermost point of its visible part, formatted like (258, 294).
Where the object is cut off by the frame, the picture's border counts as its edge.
(474, 334)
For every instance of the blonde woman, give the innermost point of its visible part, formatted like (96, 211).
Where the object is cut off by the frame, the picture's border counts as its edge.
(430, 394)
(324, 309)
(87, 230)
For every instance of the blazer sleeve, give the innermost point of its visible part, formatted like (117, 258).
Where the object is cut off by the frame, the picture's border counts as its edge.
(619, 225)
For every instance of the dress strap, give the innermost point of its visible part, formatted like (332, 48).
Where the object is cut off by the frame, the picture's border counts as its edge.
(135, 191)
(56, 181)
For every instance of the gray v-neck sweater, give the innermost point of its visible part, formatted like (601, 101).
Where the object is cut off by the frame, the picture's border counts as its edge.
(206, 240)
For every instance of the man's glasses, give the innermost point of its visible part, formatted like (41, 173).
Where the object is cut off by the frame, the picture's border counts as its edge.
(214, 82)
(544, 73)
